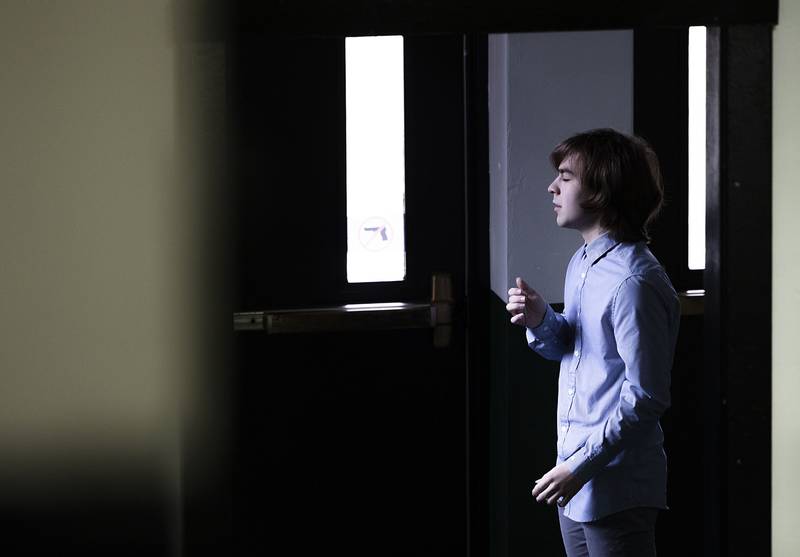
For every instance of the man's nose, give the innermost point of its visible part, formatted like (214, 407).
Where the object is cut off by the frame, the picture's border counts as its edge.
(552, 188)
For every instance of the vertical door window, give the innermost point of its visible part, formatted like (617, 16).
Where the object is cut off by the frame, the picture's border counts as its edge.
(375, 159)
(697, 147)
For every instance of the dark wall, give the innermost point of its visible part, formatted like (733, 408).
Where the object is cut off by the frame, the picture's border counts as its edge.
(87, 516)
(524, 391)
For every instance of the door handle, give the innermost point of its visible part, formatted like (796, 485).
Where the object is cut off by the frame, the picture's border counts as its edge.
(438, 315)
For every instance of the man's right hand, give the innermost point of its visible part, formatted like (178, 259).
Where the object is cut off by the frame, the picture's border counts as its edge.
(526, 306)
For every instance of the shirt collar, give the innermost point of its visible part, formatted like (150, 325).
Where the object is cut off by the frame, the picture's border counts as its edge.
(598, 247)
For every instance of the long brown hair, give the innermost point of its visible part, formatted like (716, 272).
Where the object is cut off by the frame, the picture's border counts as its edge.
(622, 179)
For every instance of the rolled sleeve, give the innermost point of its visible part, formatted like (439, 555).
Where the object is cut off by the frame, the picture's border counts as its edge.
(587, 462)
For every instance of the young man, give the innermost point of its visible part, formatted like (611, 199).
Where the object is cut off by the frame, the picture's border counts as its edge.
(615, 341)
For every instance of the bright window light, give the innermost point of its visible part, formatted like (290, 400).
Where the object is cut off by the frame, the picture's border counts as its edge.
(375, 106)
(697, 147)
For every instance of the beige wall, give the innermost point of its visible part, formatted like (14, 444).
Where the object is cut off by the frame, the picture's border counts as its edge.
(785, 281)
(98, 238)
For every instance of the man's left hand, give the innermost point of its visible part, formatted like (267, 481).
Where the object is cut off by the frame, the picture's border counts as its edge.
(559, 485)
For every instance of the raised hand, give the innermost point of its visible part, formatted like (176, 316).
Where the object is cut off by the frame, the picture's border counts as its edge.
(526, 306)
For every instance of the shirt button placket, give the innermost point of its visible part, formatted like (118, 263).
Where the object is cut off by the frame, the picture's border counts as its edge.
(577, 354)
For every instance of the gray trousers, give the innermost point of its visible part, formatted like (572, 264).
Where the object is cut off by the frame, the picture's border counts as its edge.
(628, 533)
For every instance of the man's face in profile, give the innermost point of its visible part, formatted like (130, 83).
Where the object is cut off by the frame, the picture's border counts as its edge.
(567, 196)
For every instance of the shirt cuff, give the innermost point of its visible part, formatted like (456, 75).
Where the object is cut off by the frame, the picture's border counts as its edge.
(584, 465)
(546, 329)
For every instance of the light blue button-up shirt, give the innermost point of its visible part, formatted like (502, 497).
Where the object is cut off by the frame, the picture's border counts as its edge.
(615, 340)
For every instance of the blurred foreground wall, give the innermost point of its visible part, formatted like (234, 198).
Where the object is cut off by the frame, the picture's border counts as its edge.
(110, 279)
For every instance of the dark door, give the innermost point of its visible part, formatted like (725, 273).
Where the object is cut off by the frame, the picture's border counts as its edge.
(351, 441)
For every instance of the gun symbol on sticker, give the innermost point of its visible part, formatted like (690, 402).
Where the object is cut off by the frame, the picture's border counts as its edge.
(375, 229)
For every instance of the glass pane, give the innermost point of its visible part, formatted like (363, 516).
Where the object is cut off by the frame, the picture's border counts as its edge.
(375, 159)
(697, 147)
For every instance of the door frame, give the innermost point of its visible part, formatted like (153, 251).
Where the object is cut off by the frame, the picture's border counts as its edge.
(739, 212)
